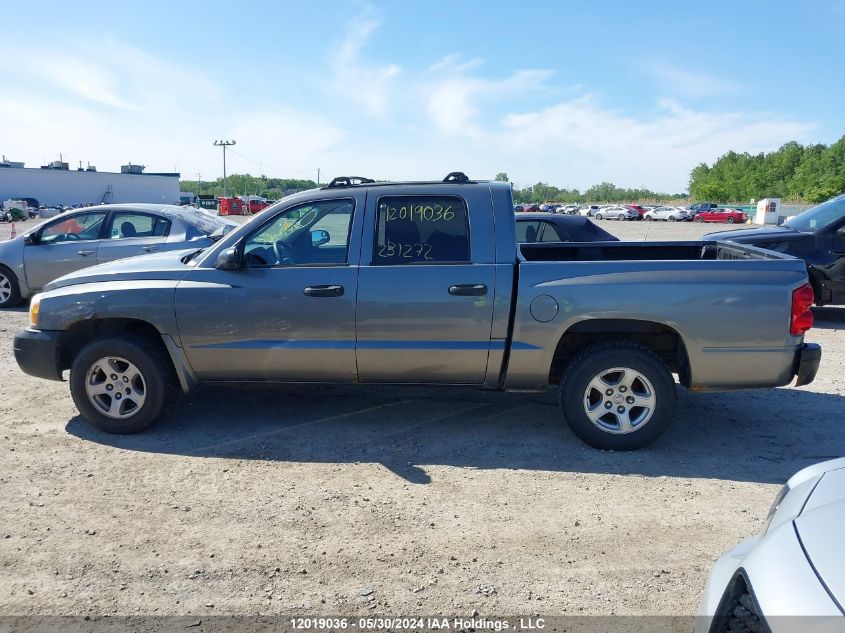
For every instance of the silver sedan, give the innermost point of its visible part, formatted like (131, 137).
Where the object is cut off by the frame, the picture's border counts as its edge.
(670, 214)
(94, 235)
(791, 577)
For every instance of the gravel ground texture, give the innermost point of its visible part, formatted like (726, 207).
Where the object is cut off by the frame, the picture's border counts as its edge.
(388, 500)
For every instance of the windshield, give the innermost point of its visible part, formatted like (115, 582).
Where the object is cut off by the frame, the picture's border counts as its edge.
(818, 217)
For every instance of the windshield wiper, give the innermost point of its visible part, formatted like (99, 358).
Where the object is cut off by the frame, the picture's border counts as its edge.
(187, 258)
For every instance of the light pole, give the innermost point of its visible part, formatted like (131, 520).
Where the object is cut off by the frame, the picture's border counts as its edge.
(224, 145)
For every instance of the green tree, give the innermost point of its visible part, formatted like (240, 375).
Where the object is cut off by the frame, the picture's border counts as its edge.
(502, 176)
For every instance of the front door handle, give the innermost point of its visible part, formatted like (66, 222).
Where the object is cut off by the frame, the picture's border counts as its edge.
(85, 253)
(324, 291)
(150, 249)
(468, 290)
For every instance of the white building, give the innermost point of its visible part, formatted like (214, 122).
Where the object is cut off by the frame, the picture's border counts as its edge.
(66, 187)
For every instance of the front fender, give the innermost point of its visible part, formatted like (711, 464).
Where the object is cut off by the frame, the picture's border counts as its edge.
(11, 256)
(152, 301)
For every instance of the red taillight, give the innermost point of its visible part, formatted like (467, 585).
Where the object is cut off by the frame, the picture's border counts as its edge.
(802, 318)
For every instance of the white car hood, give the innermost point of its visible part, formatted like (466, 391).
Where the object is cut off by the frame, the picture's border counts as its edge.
(820, 528)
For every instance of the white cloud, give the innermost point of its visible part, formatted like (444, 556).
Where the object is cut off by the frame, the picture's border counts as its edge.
(455, 62)
(367, 85)
(599, 143)
(680, 81)
(455, 102)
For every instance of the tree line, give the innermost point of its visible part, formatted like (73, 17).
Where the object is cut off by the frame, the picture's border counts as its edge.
(244, 184)
(811, 173)
(604, 192)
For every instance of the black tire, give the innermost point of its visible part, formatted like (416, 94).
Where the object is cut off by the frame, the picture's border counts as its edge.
(621, 216)
(9, 284)
(153, 363)
(730, 220)
(649, 218)
(698, 218)
(606, 356)
(598, 216)
(672, 218)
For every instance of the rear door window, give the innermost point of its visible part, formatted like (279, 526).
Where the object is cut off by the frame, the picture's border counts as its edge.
(128, 225)
(420, 230)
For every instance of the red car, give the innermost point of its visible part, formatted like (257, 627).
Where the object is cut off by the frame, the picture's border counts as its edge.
(731, 216)
(256, 206)
(640, 211)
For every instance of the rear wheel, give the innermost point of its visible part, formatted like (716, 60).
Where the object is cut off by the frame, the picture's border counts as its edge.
(617, 396)
(698, 218)
(672, 218)
(730, 220)
(598, 216)
(121, 383)
(621, 216)
(10, 292)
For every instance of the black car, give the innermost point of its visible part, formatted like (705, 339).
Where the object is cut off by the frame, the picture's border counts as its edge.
(548, 227)
(817, 236)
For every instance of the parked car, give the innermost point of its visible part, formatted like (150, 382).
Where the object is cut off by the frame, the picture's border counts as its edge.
(346, 284)
(569, 209)
(790, 577)
(639, 209)
(703, 206)
(589, 210)
(616, 212)
(731, 216)
(669, 214)
(541, 227)
(94, 235)
(817, 236)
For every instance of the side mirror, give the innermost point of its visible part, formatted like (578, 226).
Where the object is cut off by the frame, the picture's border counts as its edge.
(318, 238)
(228, 260)
(29, 240)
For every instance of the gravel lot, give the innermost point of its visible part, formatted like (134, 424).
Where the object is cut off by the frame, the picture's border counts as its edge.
(337, 500)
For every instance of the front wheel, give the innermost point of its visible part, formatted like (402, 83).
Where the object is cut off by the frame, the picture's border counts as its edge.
(698, 218)
(730, 220)
(672, 218)
(121, 383)
(621, 216)
(617, 396)
(10, 292)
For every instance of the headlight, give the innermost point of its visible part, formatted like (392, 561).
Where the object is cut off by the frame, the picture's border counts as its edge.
(34, 306)
(775, 505)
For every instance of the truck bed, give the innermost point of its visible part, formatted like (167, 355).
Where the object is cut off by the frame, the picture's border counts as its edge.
(642, 251)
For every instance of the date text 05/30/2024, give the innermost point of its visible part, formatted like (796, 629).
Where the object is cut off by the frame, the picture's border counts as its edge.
(385, 623)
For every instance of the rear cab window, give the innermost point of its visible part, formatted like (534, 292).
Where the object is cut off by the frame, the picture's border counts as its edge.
(128, 225)
(421, 229)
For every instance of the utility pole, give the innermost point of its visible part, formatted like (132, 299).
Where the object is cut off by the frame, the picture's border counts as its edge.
(318, 176)
(224, 145)
(199, 183)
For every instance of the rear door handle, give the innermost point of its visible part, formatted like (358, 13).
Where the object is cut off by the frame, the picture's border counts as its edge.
(468, 290)
(324, 291)
(85, 253)
(150, 249)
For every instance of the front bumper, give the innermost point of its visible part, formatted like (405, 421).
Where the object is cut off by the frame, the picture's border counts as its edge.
(807, 361)
(37, 353)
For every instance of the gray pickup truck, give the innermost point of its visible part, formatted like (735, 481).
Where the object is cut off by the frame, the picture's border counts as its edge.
(365, 282)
